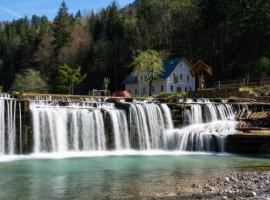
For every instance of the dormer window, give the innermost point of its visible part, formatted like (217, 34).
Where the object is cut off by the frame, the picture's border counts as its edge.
(181, 77)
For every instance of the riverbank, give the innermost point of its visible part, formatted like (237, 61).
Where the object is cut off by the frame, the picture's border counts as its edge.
(239, 185)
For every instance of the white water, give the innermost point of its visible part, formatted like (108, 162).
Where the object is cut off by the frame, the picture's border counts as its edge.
(58, 129)
(201, 137)
(149, 122)
(83, 127)
(120, 128)
(7, 125)
(209, 124)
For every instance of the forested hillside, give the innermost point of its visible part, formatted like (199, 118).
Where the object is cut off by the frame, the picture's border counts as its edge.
(233, 36)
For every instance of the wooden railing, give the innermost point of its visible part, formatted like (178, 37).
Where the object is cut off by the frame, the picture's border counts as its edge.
(243, 83)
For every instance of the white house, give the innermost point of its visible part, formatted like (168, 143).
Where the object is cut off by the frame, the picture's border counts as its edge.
(176, 77)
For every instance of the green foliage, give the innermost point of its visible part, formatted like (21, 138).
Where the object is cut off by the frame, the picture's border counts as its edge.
(171, 95)
(259, 68)
(150, 63)
(29, 80)
(68, 76)
(261, 90)
(228, 35)
(61, 27)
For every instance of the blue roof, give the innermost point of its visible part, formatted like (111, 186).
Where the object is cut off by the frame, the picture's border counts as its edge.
(169, 65)
(130, 79)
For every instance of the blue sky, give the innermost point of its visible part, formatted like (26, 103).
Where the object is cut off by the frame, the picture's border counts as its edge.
(14, 9)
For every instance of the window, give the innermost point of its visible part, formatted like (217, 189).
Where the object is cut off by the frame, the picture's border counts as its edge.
(171, 88)
(141, 78)
(181, 77)
(185, 89)
(136, 91)
(175, 79)
(161, 88)
(190, 89)
(187, 78)
(178, 89)
(181, 65)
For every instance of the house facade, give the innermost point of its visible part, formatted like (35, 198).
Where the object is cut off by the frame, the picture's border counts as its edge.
(175, 77)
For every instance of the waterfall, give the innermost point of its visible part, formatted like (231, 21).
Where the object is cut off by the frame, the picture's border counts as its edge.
(149, 124)
(201, 137)
(120, 128)
(97, 125)
(8, 108)
(2, 127)
(167, 116)
(209, 124)
(60, 129)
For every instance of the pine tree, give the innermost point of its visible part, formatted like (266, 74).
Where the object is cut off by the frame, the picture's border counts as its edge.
(61, 28)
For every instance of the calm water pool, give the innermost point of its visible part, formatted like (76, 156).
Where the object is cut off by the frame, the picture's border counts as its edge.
(129, 176)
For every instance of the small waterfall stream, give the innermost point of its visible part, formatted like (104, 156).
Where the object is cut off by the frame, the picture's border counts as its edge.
(209, 124)
(8, 108)
(149, 123)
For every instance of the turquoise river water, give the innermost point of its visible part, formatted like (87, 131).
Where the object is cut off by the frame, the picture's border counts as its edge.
(113, 176)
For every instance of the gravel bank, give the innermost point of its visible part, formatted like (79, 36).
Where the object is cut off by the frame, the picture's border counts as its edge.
(236, 186)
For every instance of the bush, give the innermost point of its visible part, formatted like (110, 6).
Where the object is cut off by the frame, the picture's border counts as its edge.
(29, 80)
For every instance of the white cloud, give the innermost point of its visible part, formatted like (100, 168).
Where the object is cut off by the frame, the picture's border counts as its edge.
(11, 12)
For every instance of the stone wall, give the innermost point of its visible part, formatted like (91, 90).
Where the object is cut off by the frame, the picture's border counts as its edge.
(248, 144)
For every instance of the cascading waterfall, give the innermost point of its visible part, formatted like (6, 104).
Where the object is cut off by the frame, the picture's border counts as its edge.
(120, 128)
(8, 108)
(150, 124)
(58, 129)
(94, 125)
(79, 128)
(209, 124)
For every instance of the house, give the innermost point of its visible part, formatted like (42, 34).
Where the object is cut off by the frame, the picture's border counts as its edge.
(176, 77)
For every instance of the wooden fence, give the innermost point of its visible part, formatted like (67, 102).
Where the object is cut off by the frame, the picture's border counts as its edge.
(243, 82)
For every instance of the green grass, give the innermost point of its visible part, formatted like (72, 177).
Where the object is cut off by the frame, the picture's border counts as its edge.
(171, 95)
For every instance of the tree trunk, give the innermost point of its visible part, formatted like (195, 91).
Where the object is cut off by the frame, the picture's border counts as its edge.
(150, 88)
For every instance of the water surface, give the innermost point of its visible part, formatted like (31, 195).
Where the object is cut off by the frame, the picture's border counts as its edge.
(119, 177)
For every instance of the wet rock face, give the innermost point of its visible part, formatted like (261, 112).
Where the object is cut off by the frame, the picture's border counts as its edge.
(237, 186)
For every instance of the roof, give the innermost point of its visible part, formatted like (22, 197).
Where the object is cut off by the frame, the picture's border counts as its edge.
(200, 65)
(169, 65)
(130, 79)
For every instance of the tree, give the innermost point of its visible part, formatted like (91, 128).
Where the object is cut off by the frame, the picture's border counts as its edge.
(68, 76)
(44, 55)
(259, 68)
(61, 28)
(75, 51)
(149, 63)
(29, 80)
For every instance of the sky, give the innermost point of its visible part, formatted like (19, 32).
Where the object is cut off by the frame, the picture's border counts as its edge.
(14, 9)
